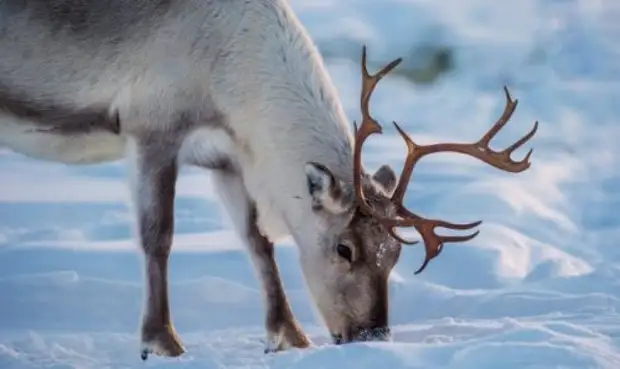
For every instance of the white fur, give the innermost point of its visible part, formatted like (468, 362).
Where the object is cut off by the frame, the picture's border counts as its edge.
(92, 148)
(205, 144)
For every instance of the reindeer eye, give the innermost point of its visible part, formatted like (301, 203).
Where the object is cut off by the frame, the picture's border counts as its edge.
(344, 252)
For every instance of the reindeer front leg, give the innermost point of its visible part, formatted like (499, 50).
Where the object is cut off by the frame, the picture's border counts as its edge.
(155, 160)
(283, 330)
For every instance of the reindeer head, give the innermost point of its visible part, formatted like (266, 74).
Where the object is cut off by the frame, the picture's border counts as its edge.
(359, 246)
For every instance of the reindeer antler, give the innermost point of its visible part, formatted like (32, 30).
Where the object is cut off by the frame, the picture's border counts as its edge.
(480, 149)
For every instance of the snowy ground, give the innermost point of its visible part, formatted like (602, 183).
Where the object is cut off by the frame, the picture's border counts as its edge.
(539, 288)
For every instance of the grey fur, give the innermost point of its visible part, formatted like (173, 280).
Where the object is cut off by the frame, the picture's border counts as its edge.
(155, 191)
(60, 53)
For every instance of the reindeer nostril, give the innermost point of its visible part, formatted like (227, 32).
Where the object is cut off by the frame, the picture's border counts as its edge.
(337, 339)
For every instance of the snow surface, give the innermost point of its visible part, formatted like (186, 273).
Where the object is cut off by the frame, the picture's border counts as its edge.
(539, 288)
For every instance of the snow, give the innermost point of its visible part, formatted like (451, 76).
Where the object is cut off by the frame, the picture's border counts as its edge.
(538, 288)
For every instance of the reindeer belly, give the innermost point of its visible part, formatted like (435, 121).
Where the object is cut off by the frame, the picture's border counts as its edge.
(87, 146)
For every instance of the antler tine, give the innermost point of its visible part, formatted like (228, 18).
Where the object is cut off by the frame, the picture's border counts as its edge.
(502, 159)
(410, 162)
(369, 82)
(433, 243)
(509, 109)
(368, 126)
(434, 249)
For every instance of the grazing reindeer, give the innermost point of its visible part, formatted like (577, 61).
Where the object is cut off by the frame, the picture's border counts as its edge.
(237, 87)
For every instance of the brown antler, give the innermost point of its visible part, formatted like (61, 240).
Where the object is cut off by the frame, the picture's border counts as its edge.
(369, 126)
(426, 227)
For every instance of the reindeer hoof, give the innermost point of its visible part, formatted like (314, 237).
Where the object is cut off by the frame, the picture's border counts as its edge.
(288, 335)
(162, 341)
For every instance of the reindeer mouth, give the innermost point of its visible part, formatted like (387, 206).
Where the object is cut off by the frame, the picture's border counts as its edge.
(363, 335)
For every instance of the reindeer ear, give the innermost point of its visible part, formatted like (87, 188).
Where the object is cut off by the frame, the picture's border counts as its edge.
(328, 193)
(386, 177)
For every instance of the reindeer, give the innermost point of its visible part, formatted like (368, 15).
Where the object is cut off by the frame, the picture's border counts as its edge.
(236, 87)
